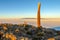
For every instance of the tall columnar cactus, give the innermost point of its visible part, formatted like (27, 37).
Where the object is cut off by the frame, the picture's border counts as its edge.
(38, 16)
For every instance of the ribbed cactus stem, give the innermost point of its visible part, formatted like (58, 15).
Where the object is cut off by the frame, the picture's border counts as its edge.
(38, 16)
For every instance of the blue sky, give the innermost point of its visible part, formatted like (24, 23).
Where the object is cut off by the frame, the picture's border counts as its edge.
(28, 8)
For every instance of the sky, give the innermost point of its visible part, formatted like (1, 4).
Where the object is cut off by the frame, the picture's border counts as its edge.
(29, 8)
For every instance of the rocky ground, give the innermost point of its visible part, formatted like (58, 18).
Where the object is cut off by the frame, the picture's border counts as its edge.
(26, 32)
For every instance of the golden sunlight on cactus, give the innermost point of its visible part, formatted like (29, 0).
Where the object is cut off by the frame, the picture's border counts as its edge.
(7, 35)
(51, 39)
(38, 16)
(4, 27)
(11, 36)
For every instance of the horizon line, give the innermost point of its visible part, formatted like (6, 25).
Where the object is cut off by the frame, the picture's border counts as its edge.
(29, 18)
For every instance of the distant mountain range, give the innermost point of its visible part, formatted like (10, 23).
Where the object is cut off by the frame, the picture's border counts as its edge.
(32, 18)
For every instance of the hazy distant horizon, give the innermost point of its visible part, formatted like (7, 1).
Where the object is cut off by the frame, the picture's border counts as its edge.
(45, 22)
